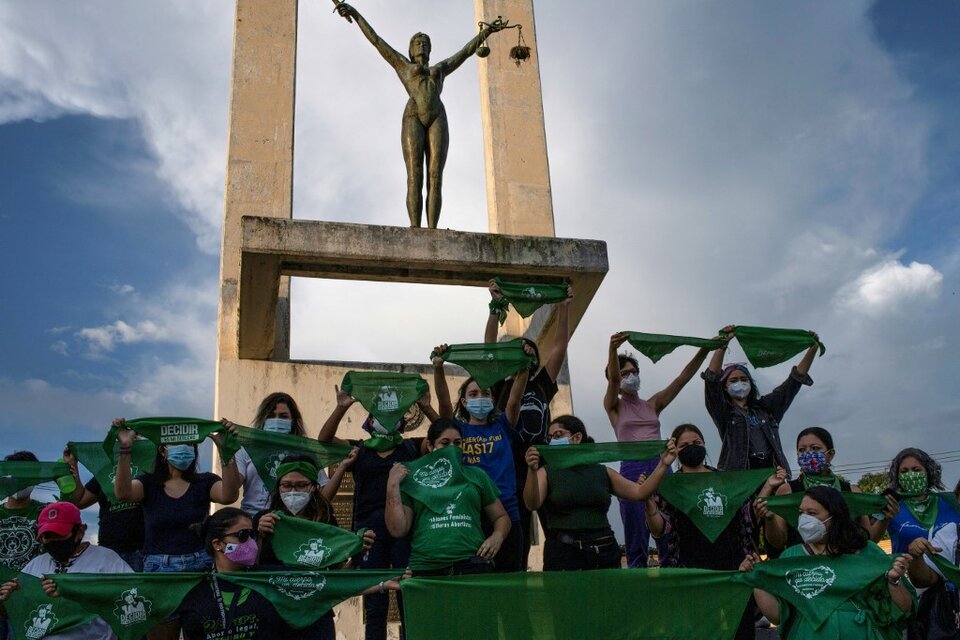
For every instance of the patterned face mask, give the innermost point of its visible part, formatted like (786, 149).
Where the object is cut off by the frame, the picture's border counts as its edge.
(913, 481)
(812, 462)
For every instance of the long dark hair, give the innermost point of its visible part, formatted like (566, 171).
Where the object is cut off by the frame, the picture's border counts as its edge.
(270, 403)
(681, 429)
(574, 425)
(934, 472)
(318, 509)
(844, 535)
(216, 525)
(438, 426)
(461, 411)
(161, 472)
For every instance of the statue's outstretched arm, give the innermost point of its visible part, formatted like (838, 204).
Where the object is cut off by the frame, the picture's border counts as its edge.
(391, 55)
(452, 63)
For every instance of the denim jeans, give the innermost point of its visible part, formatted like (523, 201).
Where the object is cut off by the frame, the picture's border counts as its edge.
(165, 563)
(385, 553)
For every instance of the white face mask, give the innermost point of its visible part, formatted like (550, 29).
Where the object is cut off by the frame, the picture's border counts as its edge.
(295, 501)
(739, 390)
(278, 425)
(811, 528)
(631, 383)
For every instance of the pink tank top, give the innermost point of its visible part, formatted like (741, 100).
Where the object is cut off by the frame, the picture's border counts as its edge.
(636, 420)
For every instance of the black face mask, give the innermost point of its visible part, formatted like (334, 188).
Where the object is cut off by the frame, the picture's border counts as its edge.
(692, 455)
(61, 550)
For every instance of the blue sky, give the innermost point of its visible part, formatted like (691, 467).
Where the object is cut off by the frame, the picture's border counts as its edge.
(758, 163)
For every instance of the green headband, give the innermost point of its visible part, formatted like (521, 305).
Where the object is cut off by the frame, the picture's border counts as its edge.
(306, 468)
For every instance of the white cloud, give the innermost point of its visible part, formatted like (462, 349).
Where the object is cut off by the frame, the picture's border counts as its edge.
(892, 286)
(122, 289)
(60, 347)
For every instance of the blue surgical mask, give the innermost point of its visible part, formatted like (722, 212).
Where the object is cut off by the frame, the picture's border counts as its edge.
(278, 425)
(739, 389)
(181, 456)
(479, 408)
(560, 441)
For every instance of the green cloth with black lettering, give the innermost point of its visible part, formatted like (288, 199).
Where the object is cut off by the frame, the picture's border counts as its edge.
(489, 363)
(861, 504)
(103, 468)
(765, 346)
(655, 345)
(599, 452)
(313, 545)
(527, 298)
(612, 604)
(19, 474)
(166, 430)
(385, 394)
(712, 498)
(131, 603)
(268, 449)
(34, 614)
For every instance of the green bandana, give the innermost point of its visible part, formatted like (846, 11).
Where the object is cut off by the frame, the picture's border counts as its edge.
(91, 455)
(822, 480)
(17, 475)
(766, 347)
(383, 442)
(313, 545)
(166, 430)
(436, 478)
(559, 457)
(787, 506)
(816, 585)
(385, 394)
(950, 571)
(267, 450)
(489, 363)
(573, 605)
(526, 298)
(304, 468)
(711, 499)
(924, 509)
(34, 614)
(655, 346)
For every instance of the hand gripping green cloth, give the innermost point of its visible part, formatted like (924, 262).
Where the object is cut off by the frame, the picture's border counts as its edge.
(436, 478)
(166, 430)
(267, 450)
(655, 346)
(103, 468)
(765, 347)
(527, 298)
(711, 499)
(587, 453)
(861, 504)
(34, 614)
(313, 545)
(612, 604)
(816, 585)
(385, 394)
(19, 474)
(489, 363)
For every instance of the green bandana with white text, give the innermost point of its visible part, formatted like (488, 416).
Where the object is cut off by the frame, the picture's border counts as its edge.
(655, 346)
(489, 363)
(166, 430)
(313, 545)
(104, 469)
(765, 346)
(861, 504)
(436, 478)
(387, 395)
(711, 499)
(19, 474)
(527, 298)
(564, 457)
(34, 614)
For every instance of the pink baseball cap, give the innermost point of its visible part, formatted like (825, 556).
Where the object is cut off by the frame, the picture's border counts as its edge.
(59, 518)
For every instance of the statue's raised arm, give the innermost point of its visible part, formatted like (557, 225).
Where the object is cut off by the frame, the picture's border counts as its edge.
(391, 55)
(452, 63)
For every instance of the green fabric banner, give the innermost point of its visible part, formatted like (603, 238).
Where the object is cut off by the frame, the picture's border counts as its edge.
(166, 430)
(816, 585)
(711, 499)
(436, 478)
(34, 614)
(131, 603)
(599, 452)
(103, 468)
(612, 604)
(950, 571)
(766, 346)
(385, 394)
(313, 545)
(527, 298)
(861, 504)
(655, 346)
(16, 475)
(267, 450)
(489, 363)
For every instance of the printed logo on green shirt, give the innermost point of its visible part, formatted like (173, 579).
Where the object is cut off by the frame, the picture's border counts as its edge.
(388, 400)
(313, 553)
(132, 608)
(712, 503)
(298, 587)
(41, 619)
(810, 582)
(434, 475)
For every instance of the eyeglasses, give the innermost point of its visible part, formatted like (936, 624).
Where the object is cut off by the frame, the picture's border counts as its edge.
(295, 486)
(242, 535)
(556, 435)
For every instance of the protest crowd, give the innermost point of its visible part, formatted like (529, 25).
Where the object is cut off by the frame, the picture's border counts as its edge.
(446, 518)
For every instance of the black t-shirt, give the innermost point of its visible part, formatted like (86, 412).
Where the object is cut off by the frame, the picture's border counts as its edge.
(167, 520)
(370, 472)
(696, 551)
(121, 524)
(534, 406)
(249, 615)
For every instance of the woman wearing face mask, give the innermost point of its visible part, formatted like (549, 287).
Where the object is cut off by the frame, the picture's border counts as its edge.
(749, 424)
(633, 419)
(488, 440)
(573, 504)
(453, 550)
(880, 612)
(174, 496)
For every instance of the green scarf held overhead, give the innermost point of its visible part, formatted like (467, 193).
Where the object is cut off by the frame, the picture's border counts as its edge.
(787, 506)
(924, 509)
(489, 363)
(313, 545)
(587, 453)
(613, 604)
(655, 346)
(16, 474)
(526, 298)
(34, 614)
(711, 499)
(131, 603)
(387, 395)
(436, 478)
(816, 585)
(267, 450)
(766, 346)
(166, 430)
(950, 571)
(103, 468)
